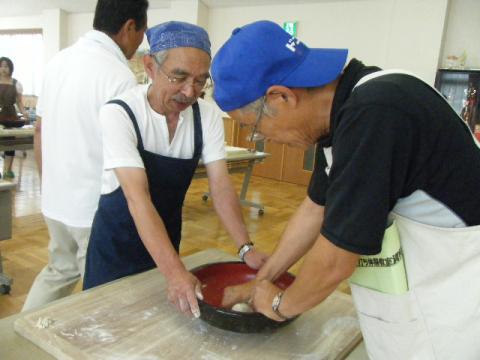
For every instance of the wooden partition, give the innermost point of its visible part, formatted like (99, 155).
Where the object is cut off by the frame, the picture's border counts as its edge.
(285, 163)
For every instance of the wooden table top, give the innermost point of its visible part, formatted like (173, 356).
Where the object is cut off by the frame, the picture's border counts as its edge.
(131, 318)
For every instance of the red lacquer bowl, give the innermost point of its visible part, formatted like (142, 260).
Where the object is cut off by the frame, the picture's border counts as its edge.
(215, 278)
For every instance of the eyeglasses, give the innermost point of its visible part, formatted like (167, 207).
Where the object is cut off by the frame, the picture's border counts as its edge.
(255, 136)
(181, 80)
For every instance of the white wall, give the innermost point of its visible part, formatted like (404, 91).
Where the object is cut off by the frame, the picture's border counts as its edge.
(54, 27)
(78, 24)
(463, 32)
(415, 38)
(203, 15)
(389, 33)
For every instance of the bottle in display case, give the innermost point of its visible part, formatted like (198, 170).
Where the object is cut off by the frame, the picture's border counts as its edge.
(460, 88)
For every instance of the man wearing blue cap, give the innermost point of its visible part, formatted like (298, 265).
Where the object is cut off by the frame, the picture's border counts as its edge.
(153, 137)
(399, 153)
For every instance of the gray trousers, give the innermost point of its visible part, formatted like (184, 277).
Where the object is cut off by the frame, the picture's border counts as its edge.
(66, 265)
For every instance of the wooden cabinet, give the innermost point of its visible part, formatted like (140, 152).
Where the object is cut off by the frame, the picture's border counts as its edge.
(231, 130)
(298, 165)
(285, 163)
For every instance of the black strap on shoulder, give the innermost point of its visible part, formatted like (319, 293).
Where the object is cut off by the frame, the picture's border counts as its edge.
(198, 137)
(129, 111)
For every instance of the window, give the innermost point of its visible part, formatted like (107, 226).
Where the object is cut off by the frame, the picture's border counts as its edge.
(25, 49)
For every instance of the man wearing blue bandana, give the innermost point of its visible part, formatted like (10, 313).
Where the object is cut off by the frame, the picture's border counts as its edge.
(154, 136)
(394, 165)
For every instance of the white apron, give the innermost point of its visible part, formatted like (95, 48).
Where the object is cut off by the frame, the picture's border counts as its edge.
(439, 316)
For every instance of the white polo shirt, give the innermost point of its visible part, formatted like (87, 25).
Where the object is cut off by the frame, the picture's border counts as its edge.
(78, 81)
(120, 139)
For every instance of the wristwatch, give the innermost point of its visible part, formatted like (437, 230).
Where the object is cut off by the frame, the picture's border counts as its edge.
(277, 299)
(244, 249)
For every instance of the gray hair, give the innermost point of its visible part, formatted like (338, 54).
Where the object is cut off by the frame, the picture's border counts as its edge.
(255, 107)
(160, 56)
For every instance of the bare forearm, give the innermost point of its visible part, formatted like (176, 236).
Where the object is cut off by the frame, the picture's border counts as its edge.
(227, 206)
(21, 108)
(325, 266)
(301, 232)
(225, 201)
(152, 231)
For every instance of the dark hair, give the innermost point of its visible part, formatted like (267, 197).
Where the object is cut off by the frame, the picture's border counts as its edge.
(110, 15)
(9, 63)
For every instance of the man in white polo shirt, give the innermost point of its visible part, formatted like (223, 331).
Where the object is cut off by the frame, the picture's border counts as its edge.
(154, 136)
(68, 143)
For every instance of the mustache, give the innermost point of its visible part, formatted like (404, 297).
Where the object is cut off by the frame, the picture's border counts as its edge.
(184, 99)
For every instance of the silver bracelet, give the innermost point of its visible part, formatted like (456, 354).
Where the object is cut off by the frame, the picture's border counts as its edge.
(244, 249)
(277, 299)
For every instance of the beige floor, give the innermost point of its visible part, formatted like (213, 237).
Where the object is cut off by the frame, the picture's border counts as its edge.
(26, 253)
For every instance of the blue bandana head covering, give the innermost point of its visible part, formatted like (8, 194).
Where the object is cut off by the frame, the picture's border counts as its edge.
(174, 34)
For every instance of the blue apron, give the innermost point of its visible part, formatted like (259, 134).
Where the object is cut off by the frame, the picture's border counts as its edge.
(115, 249)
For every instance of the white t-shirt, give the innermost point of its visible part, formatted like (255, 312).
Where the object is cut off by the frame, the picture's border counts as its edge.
(78, 81)
(120, 141)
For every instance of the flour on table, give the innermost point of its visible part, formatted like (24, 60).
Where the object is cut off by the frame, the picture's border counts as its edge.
(44, 322)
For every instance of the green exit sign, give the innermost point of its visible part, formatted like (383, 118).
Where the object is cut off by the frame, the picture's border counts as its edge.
(290, 27)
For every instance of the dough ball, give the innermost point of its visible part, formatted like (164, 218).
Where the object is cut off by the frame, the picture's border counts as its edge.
(242, 307)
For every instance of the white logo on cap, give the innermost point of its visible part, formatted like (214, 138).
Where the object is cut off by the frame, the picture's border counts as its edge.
(290, 45)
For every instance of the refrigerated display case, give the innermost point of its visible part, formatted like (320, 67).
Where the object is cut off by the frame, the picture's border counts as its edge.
(460, 88)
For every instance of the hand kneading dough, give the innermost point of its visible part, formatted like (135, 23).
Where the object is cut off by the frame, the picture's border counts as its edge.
(242, 307)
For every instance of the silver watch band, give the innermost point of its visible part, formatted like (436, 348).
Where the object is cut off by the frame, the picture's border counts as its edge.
(277, 299)
(243, 250)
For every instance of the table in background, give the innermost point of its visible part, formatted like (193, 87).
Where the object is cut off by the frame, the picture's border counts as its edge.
(16, 138)
(239, 160)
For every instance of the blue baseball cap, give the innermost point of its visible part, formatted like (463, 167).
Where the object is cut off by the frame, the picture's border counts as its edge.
(262, 54)
(174, 34)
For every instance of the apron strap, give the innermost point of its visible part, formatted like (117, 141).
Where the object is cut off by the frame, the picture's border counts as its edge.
(198, 137)
(198, 132)
(129, 111)
(398, 71)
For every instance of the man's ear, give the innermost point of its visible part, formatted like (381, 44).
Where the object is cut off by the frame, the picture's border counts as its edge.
(123, 37)
(126, 31)
(129, 26)
(281, 95)
(149, 65)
